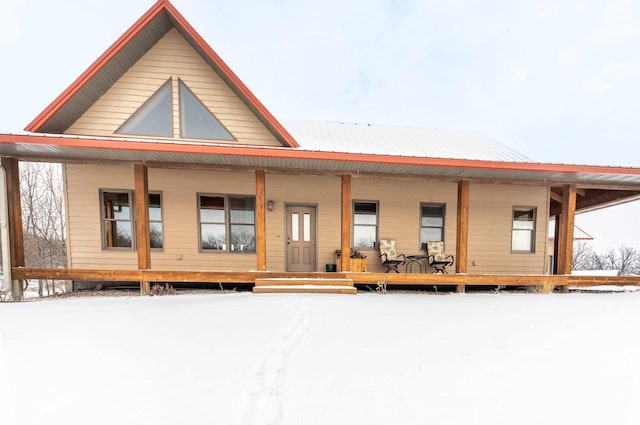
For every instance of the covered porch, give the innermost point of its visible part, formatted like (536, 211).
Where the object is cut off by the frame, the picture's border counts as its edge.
(567, 195)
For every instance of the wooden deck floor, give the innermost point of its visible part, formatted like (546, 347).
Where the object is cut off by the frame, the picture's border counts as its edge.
(359, 278)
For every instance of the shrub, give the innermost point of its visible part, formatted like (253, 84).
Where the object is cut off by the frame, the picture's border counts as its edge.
(162, 290)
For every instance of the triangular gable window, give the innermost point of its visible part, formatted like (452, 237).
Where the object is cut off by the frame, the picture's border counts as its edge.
(154, 117)
(196, 121)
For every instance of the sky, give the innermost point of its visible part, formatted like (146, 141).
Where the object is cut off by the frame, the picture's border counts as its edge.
(557, 81)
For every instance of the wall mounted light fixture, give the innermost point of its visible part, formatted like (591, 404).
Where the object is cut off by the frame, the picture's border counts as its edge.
(269, 205)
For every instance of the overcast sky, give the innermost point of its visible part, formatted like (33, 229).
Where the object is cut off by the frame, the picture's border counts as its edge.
(558, 81)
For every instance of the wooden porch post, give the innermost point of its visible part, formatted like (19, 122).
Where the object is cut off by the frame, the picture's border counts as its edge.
(561, 243)
(556, 244)
(143, 237)
(261, 222)
(565, 245)
(12, 169)
(462, 232)
(345, 232)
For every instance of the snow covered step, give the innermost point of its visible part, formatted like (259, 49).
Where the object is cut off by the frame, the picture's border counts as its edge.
(282, 281)
(305, 285)
(307, 289)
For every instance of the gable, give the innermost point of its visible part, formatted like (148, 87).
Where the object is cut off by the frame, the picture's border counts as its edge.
(128, 49)
(172, 58)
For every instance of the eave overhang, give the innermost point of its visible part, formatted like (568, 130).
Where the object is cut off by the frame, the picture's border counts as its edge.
(128, 49)
(62, 148)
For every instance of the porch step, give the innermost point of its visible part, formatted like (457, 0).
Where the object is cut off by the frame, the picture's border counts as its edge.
(304, 285)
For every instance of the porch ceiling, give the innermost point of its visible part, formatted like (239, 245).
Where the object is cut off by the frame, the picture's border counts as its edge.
(60, 148)
(593, 199)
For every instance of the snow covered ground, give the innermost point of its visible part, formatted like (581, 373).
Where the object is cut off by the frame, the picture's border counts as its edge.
(322, 359)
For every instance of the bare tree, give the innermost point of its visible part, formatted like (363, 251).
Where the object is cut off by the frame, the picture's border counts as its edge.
(625, 260)
(628, 261)
(603, 261)
(42, 200)
(582, 253)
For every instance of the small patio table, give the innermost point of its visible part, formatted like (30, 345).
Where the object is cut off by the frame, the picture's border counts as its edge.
(418, 259)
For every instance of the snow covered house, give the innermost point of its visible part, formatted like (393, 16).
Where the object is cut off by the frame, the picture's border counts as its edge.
(174, 171)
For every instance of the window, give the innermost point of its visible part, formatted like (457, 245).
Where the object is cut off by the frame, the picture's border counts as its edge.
(431, 223)
(155, 220)
(196, 121)
(365, 224)
(154, 117)
(242, 218)
(224, 215)
(117, 227)
(213, 234)
(523, 229)
(117, 219)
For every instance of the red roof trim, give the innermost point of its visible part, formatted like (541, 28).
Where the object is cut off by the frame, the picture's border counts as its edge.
(159, 6)
(287, 153)
(95, 67)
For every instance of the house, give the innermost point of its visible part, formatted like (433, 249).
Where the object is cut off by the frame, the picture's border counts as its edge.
(175, 171)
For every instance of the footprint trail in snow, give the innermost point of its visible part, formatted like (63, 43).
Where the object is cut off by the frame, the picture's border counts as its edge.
(266, 394)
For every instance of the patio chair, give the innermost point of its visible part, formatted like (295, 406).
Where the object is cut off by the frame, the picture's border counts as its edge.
(389, 256)
(437, 258)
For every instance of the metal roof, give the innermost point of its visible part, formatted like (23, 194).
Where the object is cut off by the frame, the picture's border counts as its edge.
(403, 141)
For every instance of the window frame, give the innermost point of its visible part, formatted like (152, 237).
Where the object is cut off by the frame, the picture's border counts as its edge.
(532, 231)
(442, 228)
(161, 221)
(182, 86)
(133, 219)
(121, 130)
(103, 220)
(353, 224)
(227, 222)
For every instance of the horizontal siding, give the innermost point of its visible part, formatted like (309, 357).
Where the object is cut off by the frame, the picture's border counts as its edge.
(399, 211)
(84, 220)
(179, 196)
(399, 217)
(490, 222)
(180, 218)
(323, 191)
(172, 57)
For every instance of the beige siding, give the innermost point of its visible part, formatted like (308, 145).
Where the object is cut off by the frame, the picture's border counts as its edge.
(399, 211)
(180, 217)
(490, 222)
(322, 191)
(83, 211)
(399, 217)
(171, 58)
